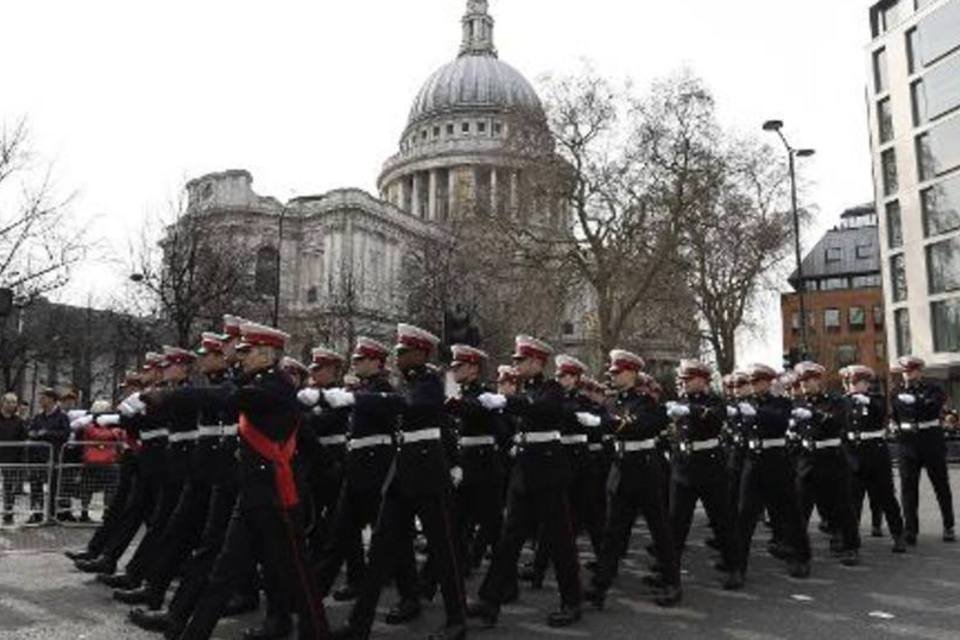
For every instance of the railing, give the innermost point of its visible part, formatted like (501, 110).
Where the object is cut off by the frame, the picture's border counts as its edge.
(26, 473)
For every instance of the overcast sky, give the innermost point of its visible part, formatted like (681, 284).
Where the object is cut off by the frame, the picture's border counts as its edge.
(130, 99)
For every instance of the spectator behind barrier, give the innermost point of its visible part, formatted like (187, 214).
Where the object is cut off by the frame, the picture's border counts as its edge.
(12, 430)
(52, 426)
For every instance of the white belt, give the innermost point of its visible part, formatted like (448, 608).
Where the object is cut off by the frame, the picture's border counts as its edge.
(628, 446)
(331, 440)
(829, 443)
(536, 437)
(153, 434)
(595, 446)
(578, 438)
(231, 429)
(408, 437)
(872, 435)
(369, 441)
(772, 443)
(477, 441)
(184, 436)
(215, 431)
(704, 445)
(927, 424)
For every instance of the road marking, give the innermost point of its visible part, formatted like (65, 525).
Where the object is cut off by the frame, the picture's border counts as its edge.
(649, 608)
(883, 615)
(799, 597)
(553, 631)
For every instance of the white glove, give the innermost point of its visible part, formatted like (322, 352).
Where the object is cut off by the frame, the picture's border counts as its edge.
(677, 410)
(456, 474)
(73, 414)
(907, 398)
(308, 397)
(861, 399)
(82, 422)
(492, 401)
(108, 420)
(132, 405)
(801, 413)
(588, 419)
(338, 398)
(732, 411)
(747, 409)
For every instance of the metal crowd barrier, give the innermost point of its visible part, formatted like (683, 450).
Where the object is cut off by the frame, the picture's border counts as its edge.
(28, 484)
(88, 475)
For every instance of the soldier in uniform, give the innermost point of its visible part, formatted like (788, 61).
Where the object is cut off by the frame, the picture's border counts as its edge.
(480, 492)
(417, 485)
(735, 429)
(823, 474)
(538, 488)
(266, 519)
(370, 452)
(917, 415)
(637, 479)
(767, 480)
(867, 452)
(697, 471)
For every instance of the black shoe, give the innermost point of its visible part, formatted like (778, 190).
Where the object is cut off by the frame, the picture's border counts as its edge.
(403, 612)
(596, 597)
(722, 566)
(85, 518)
(238, 605)
(78, 555)
(346, 593)
(655, 581)
(66, 516)
(511, 594)
(564, 616)
(949, 535)
(102, 565)
(140, 595)
(671, 596)
(899, 545)
(734, 581)
(876, 532)
(118, 581)
(486, 612)
(850, 558)
(824, 527)
(348, 632)
(911, 539)
(271, 629)
(712, 544)
(799, 569)
(150, 620)
(591, 566)
(427, 589)
(455, 632)
(526, 573)
(778, 550)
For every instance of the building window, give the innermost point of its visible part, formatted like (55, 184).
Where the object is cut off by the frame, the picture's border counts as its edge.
(465, 127)
(568, 328)
(901, 320)
(831, 319)
(449, 129)
(938, 93)
(885, 120)
(833, 254)
(864, 251)
(877, 316)
(436, 132)
(265, 273)
(938, 150)
(858, 318)
(423, 134)
(888, 161)
(795, 321)
(898, 278)
(880, 71)
(847, 354)
(880, 349)
(912, 51)
(943, 265)
(945, 318)
(312, 295)
(833, 284)
(938, 34)
(941, 207)
(497, 128)
(894, 226)
(481, 127)
(866, 282)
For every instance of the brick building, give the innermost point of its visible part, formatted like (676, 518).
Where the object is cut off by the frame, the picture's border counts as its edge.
(843, 300)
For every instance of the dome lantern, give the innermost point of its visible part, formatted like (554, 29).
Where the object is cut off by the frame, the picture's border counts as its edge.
(477, 30)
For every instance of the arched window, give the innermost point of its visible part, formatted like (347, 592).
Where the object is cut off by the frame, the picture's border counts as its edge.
(265, 281)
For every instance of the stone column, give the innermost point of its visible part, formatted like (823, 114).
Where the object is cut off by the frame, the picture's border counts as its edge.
(493, 191)
(415, 199)
(402, 191)
(432, 196)
(514, 193)
(451, 193)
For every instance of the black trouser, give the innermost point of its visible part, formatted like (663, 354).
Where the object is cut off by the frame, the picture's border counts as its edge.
(146, 496)
(873, 476)
(642, 497)
(768, 482)
(12, 485)
(37, 477)
(276, 536)
(701, 476)
(393, 539)
(924, 450)
(120, 500)
(149, 545)
(549, 507)
(735, 457)
(480, 509)
(324, 493)
(823, 480)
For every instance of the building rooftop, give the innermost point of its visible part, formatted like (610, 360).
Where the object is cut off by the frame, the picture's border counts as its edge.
(851, 249)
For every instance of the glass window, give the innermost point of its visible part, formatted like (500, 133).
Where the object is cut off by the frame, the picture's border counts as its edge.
(858, 318)
(866, 282)
(945, 318)
(312, 295)
(833, 284)
(481, 127)
(847, 354)
(938, 150)
(265, 271)
(834, 254)
(880, 349)
(888, 160)
(465, 127)
(898, 278)
(938, 92)
(885, 120)
(892, 14)
(943, 265)
(831, 318)
(880, 70)
(864, 251)
(941, 207)
(938, 34)
(497, 128)
(894, 226)
(901, 318)
(912, 51)
(877, 316)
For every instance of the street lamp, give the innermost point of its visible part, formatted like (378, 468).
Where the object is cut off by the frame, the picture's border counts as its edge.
(276, 284)
(776, 126)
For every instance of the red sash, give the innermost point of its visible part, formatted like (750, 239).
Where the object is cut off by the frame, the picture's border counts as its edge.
(279, 454)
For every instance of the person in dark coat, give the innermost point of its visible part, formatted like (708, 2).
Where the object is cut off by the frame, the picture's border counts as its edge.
(12, 430)
(51, 426)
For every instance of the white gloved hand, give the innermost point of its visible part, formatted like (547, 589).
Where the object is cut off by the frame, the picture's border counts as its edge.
(907, 398)
(588, 419)
(800, 413)
(132, 405)
(338, 398)
(73, 414)
(677, 410)
(456, 474)
(861, 399)
(492, 401)
(108, 420)
(81, 422)
(747, 409)
(308, 397)
(732, 411)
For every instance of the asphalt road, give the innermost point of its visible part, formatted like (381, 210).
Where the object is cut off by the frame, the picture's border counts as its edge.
(916, 595)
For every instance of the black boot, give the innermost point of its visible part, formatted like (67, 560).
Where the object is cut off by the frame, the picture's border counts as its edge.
(564, 616)
(140, 595)
(239, 604)
(486, 612)
(596, 597)
(150, 620)
(103, 564)
(118, 581)
(734, 581)
(78, 555)
(949, 535)
(850, 558)
(403, 612)
(346, 593)
(670, 597)
(798, 569)
(271, 629)
(348, 632)
(899, 545)
(455, 632)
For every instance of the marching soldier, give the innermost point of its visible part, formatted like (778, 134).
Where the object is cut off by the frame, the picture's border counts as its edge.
(917, 412)
(538, 488)
(698, 466)
(638, 480)
(823, 474)
(867, 451)
(735, 429)
(267, 512)
(417, 485)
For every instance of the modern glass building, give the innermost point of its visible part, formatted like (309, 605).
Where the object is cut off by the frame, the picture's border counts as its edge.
(913, 96)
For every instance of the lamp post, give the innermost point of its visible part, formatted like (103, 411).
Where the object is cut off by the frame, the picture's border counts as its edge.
(276, 284)
(776, 126)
